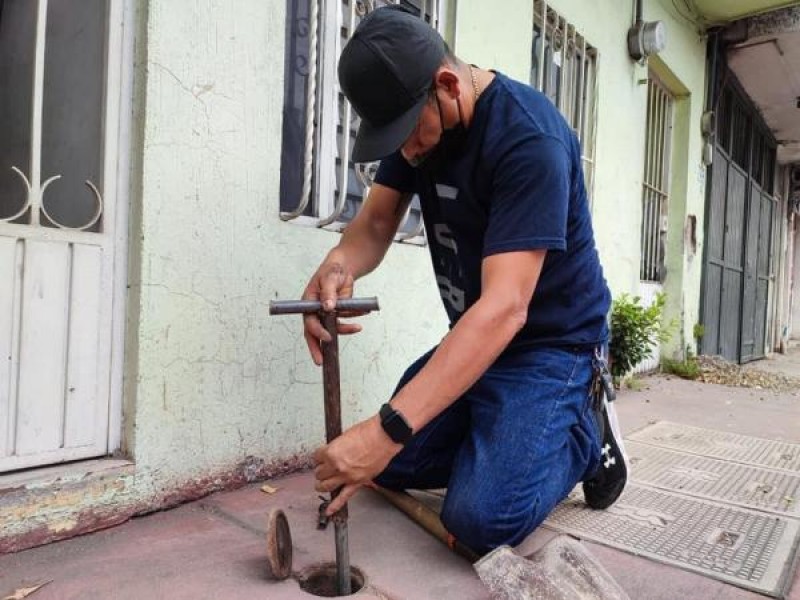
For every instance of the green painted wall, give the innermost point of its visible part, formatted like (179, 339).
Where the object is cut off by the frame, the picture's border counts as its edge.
(213, 379)
(502, 39)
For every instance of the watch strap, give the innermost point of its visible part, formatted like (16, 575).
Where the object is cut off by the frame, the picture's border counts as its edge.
(395, 424)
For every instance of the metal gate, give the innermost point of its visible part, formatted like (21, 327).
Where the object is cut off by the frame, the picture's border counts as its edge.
(59, 71)
(740, 211)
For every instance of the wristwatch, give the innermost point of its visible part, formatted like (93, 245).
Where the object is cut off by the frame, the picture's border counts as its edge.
(395, 424)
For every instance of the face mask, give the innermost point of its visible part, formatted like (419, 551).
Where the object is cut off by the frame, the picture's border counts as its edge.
(450, 147)
(454, 140)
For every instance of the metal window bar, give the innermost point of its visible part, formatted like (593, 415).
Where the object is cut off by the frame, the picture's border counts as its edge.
(589, 138)
(330, 121)
(429, 12)
(344, 114)
(581, 92)
(655, 193)
(564, 68)
(311, 103)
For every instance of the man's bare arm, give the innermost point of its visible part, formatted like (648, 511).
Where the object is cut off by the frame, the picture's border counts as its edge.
(482, 333)
(508, 281)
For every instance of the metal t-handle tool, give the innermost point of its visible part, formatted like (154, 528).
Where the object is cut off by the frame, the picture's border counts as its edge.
(333, 407)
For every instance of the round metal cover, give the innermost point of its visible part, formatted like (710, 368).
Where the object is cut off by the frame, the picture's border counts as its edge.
(279, 545)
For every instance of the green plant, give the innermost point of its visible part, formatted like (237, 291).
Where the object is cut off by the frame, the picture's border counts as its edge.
(685, 369)
(698, 331)
(635, 332)
(634, 383)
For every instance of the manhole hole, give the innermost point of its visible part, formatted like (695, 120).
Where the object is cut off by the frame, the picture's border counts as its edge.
(721, 444)
(320, 580)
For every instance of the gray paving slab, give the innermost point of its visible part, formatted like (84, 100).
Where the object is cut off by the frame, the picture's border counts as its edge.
(724, 445)
(747, 411)
(754, 487)
(747, 548)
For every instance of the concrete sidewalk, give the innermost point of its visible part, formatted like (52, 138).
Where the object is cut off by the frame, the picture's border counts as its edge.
(215, 547)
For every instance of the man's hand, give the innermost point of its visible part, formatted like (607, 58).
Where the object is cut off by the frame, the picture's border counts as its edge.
(352, 460)
(328, 284)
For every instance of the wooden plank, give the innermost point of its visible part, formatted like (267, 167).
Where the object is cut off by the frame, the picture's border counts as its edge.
(82, 359)
(9, 294)
(45, 293)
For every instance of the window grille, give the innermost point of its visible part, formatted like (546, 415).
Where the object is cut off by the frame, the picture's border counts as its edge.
(564, 68)
(655, 193)
(52, 61)
(320, 185)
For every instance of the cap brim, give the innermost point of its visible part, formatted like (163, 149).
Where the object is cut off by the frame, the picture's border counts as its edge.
(373, 143)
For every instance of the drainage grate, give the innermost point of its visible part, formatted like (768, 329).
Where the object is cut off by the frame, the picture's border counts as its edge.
(753, 487)
(721, 444)
(747, 548)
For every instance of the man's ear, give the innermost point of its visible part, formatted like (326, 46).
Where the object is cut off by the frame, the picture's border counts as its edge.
(447, 80)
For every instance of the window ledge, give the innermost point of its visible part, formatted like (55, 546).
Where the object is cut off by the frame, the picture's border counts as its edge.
(338, 227)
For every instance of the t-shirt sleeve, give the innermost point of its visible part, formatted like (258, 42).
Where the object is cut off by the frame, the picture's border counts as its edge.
(395, 172)
(530, 198)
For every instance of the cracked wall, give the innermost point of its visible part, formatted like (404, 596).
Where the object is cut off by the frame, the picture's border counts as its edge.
(217, 379)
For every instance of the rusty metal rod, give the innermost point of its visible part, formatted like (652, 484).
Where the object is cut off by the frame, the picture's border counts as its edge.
(330, 379)
(343, 579)
(333, 429)
(290, 307)
(333, 405)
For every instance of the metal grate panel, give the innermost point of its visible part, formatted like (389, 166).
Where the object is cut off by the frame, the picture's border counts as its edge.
(723, 445)
(749, 549)
(745, 485)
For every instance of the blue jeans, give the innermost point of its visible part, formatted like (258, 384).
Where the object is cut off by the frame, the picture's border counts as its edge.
(511, 448)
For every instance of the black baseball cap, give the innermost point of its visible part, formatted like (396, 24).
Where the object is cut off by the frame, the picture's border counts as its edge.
(386, 71)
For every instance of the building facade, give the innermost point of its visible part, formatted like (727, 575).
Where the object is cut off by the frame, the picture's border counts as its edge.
(168, 168)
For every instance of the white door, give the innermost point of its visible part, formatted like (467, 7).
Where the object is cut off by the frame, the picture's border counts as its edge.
(59, 113)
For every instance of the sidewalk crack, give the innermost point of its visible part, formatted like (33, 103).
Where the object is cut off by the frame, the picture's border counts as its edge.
(218, 512)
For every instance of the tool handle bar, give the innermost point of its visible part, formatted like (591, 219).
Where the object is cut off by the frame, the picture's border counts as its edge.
(426, 518)
(290, 307)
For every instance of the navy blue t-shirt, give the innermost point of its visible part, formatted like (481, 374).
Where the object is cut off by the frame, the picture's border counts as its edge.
(516, 184)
